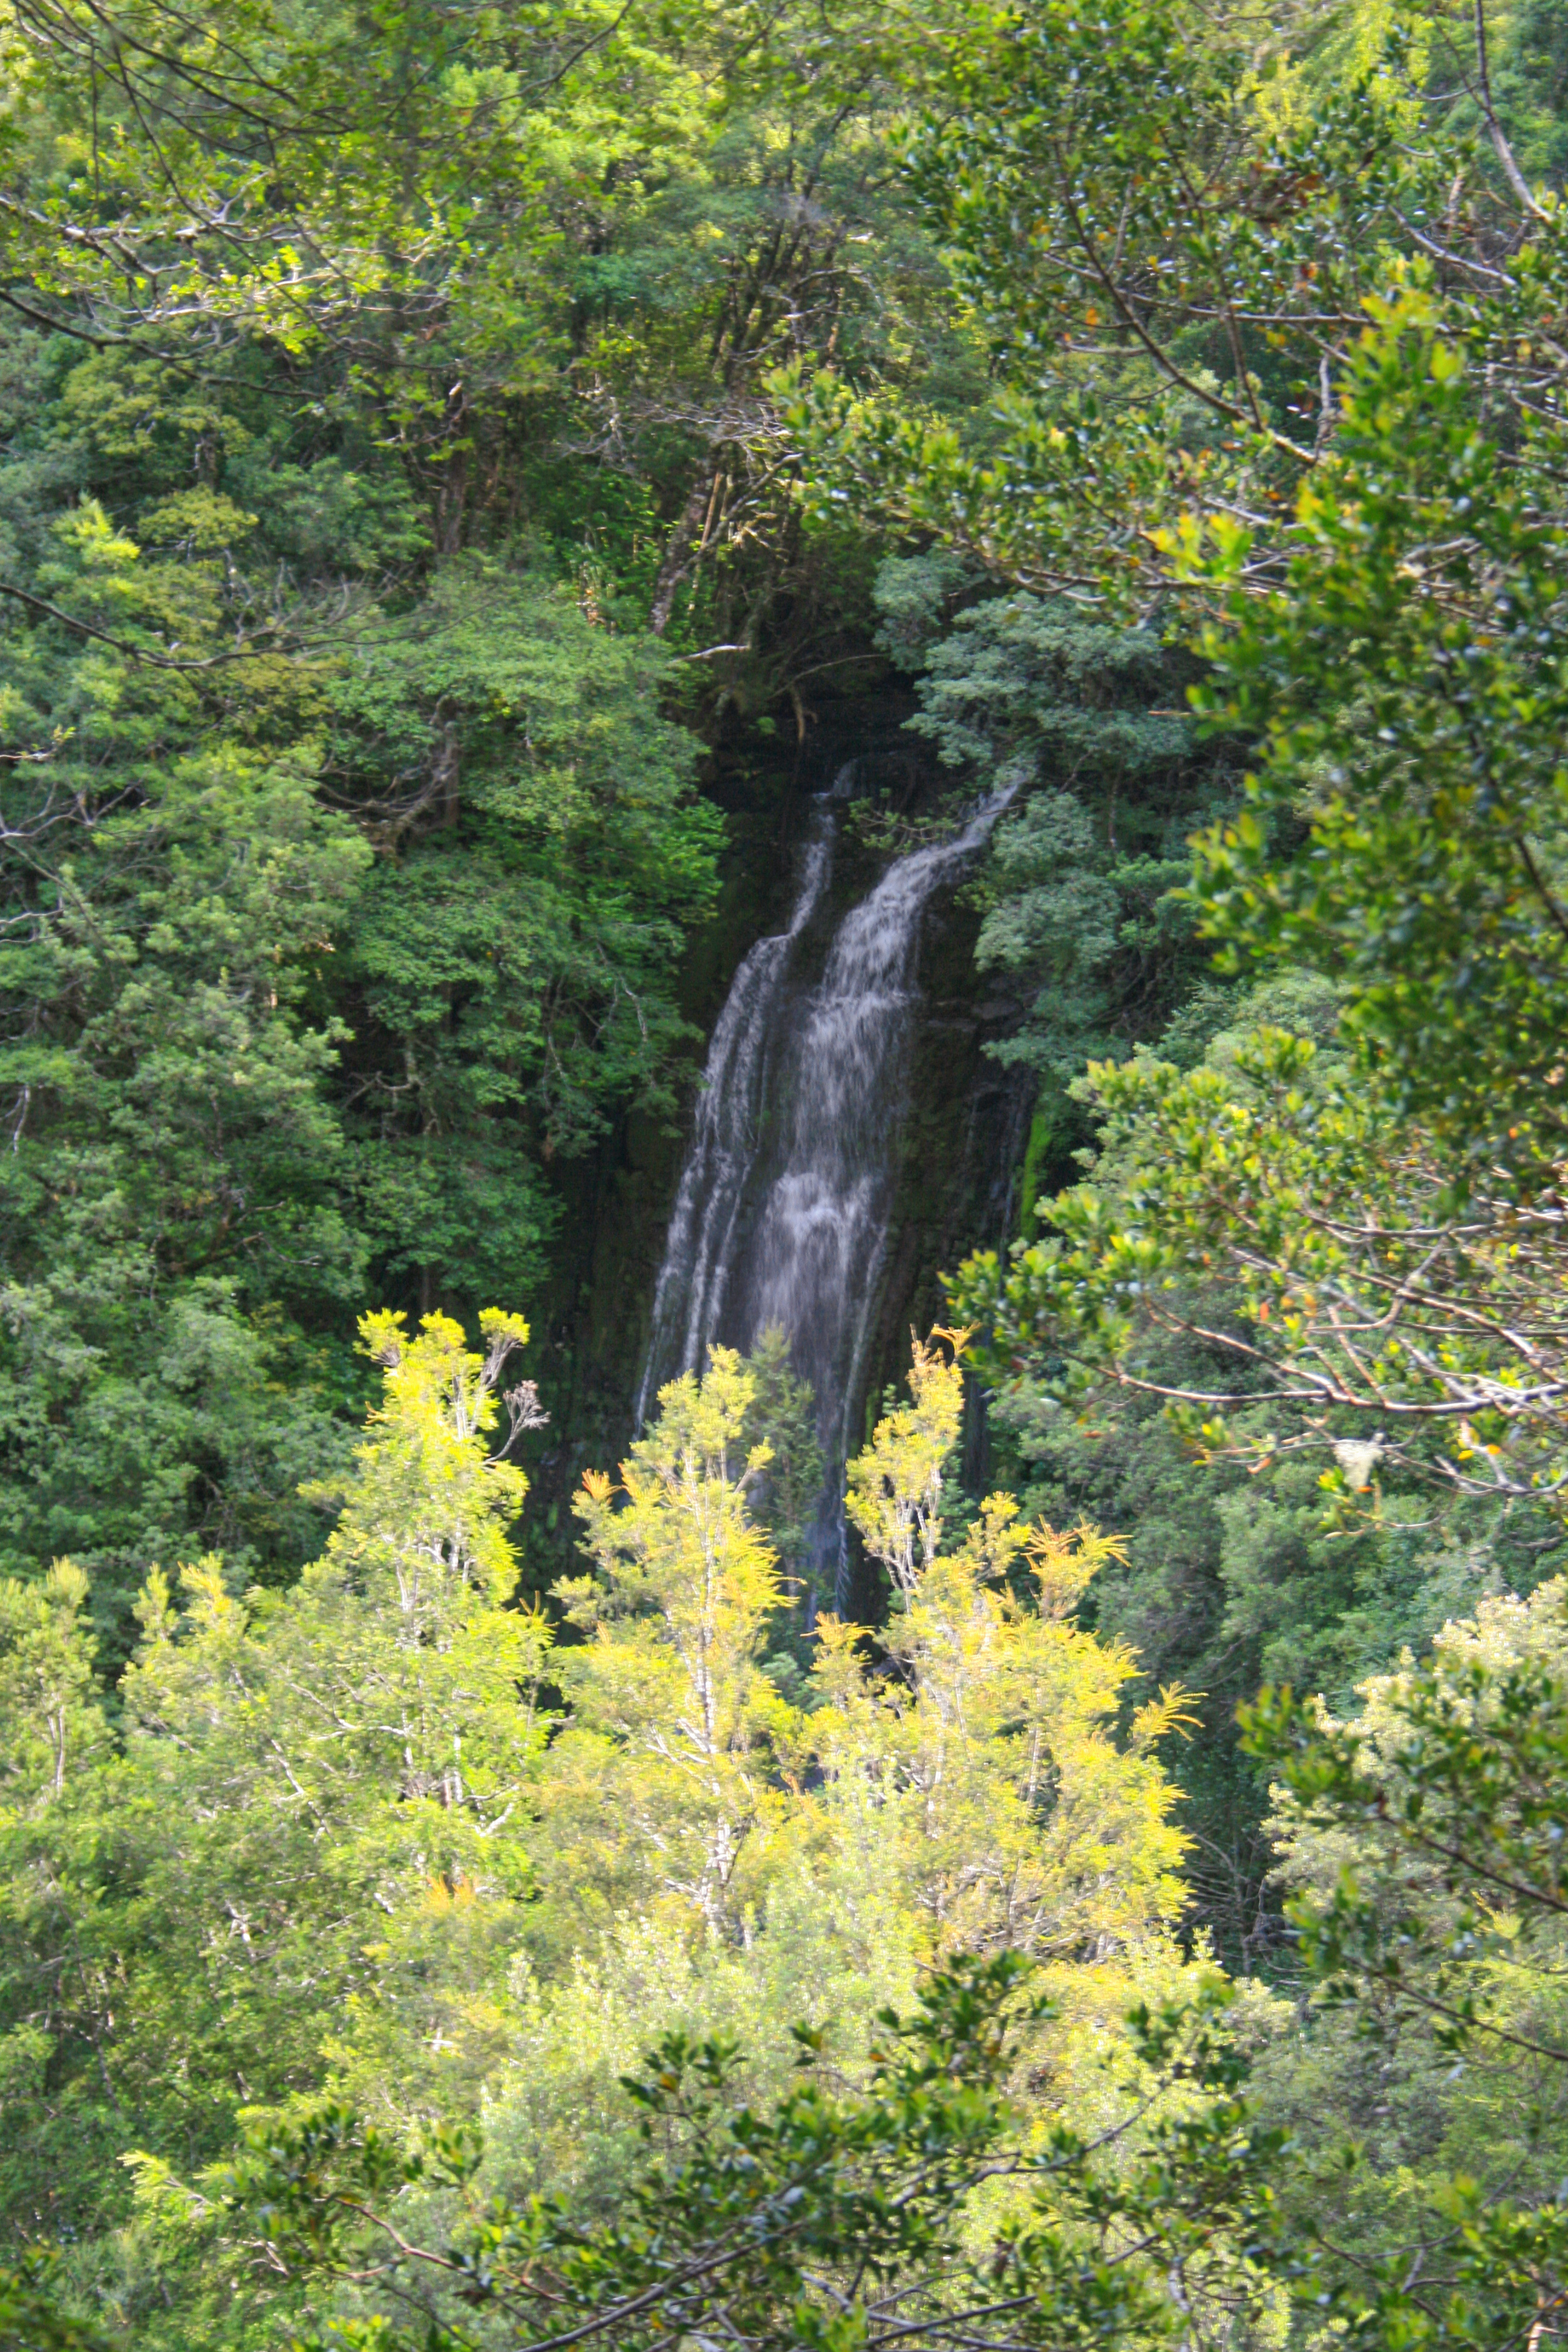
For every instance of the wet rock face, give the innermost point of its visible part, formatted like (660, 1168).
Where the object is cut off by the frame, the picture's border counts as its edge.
(861, 1142)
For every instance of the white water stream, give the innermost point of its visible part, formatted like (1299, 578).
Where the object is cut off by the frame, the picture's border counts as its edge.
(697, 1261)
(782, 1210)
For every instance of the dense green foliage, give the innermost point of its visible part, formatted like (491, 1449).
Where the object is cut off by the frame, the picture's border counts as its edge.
(442, 450)
(312, 967)
(348, 552)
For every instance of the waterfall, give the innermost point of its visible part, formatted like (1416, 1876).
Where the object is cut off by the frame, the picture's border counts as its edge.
(783, 1211)
(693, 1277)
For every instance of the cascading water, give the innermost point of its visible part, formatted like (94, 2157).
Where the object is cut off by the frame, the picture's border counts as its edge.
(693, 1279)
(783, 1211)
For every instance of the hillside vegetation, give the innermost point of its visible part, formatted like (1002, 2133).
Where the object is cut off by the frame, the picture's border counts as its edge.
(460, 467)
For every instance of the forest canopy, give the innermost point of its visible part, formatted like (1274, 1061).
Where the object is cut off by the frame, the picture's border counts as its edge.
(467, 1879)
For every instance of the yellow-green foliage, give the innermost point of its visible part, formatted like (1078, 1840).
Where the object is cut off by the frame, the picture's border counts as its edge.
(719, 1861)
(675, 1724)
(428, 1508)
(957, 1781)
(296, 1856)
(331, 1846)
(50, 1722)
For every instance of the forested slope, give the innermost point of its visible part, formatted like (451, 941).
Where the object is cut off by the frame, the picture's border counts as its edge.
(472, 480)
